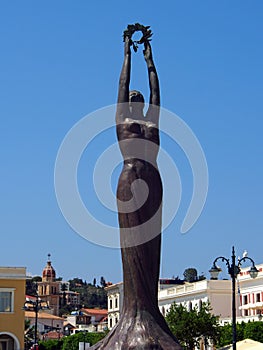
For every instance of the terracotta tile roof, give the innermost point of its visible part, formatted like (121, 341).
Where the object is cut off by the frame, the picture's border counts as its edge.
(53, 335)
(32, 314)
(95, 311)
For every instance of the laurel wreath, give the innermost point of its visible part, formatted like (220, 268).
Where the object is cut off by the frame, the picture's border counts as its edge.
(137, 27)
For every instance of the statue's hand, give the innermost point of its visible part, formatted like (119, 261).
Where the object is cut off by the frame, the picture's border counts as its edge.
(147, 52)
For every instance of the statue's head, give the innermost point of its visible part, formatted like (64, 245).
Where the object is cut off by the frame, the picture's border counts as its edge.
(136, 102)
(136, 96)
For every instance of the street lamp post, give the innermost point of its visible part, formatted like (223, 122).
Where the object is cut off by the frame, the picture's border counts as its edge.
(233, 270)
(34, 305)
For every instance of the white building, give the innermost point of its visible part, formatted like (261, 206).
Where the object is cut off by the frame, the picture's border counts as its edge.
(115, 302)
(249, 297)
(217, 292)
(250, 301)
(45, 322)
(90, 320)
(190, 294)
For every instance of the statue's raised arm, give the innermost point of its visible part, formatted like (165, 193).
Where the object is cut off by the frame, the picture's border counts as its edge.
(124, 83)
(154, 110)
(125, 96)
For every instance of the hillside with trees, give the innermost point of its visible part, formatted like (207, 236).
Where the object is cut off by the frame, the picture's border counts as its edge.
(92, 295)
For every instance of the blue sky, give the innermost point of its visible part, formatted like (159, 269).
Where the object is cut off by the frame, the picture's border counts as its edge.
(61, 61)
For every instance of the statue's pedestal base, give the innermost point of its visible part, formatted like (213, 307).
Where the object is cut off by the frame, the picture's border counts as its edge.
(141, 332)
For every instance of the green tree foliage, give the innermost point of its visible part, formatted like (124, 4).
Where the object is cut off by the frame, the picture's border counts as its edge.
(190, 326)
(208, 323)
(254, 330)
(102, 282)
(76, 283)
(177, 319)
(63, 287)
(66, 310)
(250, 330)
(190, 275)
(226, 334)
(63, 300)
(90, 295)
(72, 342)
(59, 279)
(51, 344)
(31, 285)
(27, 324)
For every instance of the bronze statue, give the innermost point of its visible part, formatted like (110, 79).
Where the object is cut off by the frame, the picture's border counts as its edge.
(139, 197)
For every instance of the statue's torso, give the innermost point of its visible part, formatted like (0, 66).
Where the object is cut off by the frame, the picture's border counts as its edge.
(138, 139)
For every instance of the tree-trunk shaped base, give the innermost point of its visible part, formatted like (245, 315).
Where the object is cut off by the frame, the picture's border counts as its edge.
(139, 332)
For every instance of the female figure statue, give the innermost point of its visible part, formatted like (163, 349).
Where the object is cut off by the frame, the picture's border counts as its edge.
(139, 197)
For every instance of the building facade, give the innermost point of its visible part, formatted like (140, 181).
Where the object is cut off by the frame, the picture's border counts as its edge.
(250, 292)
(49, 288)
(68, 297)
(12, 298)
(45, 322)
(55, 292)
(216, 292)
(90, 320)
(249, 297)
(115, 302)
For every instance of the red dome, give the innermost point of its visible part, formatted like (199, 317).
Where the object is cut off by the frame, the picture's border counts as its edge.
(48, 274)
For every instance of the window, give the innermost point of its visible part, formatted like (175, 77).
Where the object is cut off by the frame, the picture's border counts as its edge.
(6, 342)
(116, 303)
(6, 300)
(110, 303)
(245, 300)
(258, 298)
(245, 312)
